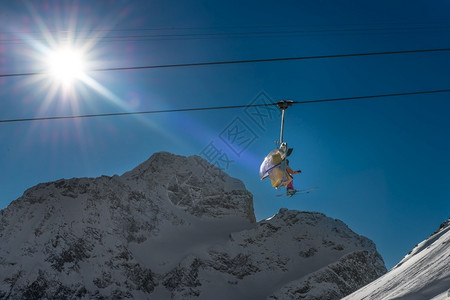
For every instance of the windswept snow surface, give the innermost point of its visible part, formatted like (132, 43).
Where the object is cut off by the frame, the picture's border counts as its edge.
(173, 228)
(423, 274)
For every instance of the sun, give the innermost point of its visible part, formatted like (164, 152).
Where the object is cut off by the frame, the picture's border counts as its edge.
(66, 65)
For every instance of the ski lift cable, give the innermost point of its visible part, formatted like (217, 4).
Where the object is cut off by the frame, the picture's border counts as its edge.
(227, 107)
(130, 34)
(276, 59)
(240, 27)
(229, 34)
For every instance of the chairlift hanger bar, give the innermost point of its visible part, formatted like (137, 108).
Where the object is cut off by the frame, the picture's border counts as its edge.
(283, 105)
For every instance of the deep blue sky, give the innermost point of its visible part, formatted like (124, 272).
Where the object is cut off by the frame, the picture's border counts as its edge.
(381, 165)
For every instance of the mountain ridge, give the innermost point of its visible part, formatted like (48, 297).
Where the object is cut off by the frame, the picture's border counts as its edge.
(173, 227)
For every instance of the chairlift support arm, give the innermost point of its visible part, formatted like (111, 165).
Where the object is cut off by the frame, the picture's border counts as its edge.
(283, 105)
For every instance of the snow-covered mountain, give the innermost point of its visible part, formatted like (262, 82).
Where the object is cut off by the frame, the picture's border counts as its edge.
(423, 274)
(173, 228)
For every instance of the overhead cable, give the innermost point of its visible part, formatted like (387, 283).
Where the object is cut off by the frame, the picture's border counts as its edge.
(224, 107)
(258, 31)
(246, 61)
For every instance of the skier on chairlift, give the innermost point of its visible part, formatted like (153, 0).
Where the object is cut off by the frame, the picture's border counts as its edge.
(290, 187)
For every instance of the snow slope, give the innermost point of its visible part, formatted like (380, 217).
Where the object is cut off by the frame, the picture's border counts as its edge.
(173, 228)
(423, 274)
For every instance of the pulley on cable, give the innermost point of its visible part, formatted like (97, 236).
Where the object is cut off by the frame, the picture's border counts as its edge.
(274, 164)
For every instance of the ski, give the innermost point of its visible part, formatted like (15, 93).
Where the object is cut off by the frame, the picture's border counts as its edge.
(295, 192)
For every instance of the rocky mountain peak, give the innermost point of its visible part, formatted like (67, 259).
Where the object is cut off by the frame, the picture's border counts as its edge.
(173, 227)
(162, 166)
(193, 184)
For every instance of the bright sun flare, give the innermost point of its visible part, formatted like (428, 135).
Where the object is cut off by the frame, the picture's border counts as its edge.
(66, 64)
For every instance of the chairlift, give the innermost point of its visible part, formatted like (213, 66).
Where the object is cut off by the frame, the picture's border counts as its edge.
(274, 164)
